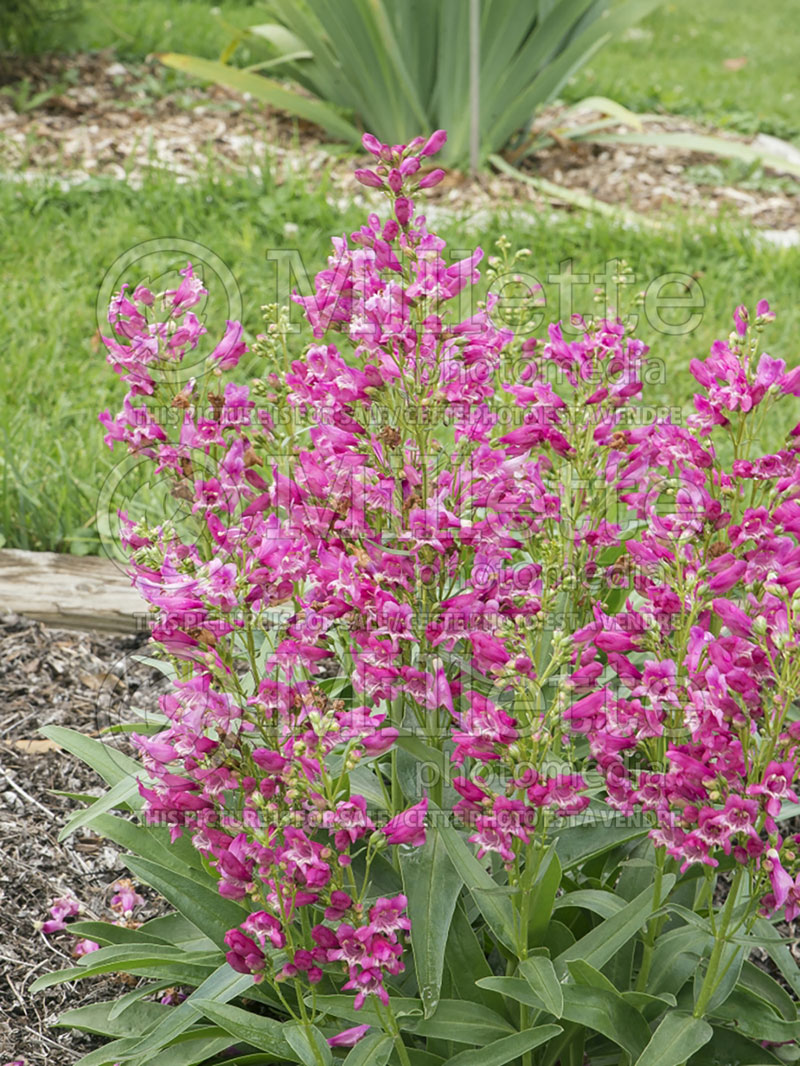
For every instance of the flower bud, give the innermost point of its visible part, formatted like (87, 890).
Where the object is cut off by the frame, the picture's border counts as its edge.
(395, 180)
(431, 179)
(434, 143)
(372, 144)
(402, 209)
(369, 178)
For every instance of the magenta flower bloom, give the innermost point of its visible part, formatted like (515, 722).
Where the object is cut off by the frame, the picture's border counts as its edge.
(85, 947)
(231, 348)
(369, 178)
(408, 827)
(434, 143)
(349, 1037)
(62, 908)
(431, 179)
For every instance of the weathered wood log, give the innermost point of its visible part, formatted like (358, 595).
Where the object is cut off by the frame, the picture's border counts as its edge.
(71, 591)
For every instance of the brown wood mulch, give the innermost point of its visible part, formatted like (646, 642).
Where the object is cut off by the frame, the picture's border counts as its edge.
(84, 681)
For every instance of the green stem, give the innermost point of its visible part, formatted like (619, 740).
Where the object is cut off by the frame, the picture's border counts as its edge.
(653, 926)
(394, 1031)
(712, 977)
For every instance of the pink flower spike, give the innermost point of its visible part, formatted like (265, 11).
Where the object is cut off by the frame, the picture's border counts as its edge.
(349, 1037)
(434, 143)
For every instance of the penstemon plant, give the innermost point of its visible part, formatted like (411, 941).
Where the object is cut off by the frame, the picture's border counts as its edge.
(484, 722)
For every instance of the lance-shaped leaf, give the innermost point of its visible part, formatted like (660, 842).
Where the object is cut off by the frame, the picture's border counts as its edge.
(677, 1038)
(432, 886)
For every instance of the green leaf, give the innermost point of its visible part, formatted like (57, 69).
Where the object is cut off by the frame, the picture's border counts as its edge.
(266, 91)
(178, 930)
(108, 933)
(465, 1023)
(406, 1011)
(506, 1048)
(540, 974)
(121, 1004)
(650, 1007)
(112, 765)
(608, 1013)
(727, 1046)
(605, 904)
(97, 1018)
(124, 793)
(676, 958)
(495, 907)
(677, 1038)
(751, 1019)
(578, 843)
(602, 942)
(308, 1044)
(584, 974)
(699, 142)
(731, 961)
(215, 914)
(223, 985)
(189, 1049)
(372, 1050)
(542, 898)
(282, 39)
(144, 960)
(264, 1033)
(514, 988)
(467, 964)
(432, 886)
(779, 953)
(151, 843)
(760, 984)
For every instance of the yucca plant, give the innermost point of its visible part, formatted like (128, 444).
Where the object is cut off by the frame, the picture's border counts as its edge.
(397, 66)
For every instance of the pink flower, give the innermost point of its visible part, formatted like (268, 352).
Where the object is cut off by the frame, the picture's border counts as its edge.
(368, 982)
(782, 883)
(231, 348)
(85, 947)
(431, 179)
(434, 143)
(349, 1037)
(369, 178)
(244, 955)
(126, 899)
(62, 908)
(408, 827)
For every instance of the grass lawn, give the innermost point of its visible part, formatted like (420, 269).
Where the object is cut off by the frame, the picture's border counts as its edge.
(58, 245)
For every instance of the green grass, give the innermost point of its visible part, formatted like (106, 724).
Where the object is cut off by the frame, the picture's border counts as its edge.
(59, 245)
(674, 61)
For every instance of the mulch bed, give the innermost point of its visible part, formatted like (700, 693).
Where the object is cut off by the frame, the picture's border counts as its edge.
(84, 681)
